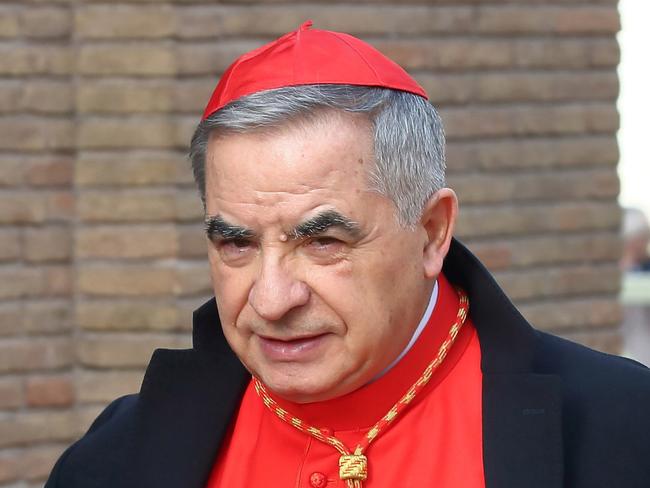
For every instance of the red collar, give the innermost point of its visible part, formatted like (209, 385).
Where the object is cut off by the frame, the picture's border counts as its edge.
(363, 407)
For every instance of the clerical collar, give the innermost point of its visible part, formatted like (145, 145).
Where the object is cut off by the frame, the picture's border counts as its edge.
(418, 330)
(361, 408)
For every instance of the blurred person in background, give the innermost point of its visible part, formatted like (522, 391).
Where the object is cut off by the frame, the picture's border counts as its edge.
(635, 290)
(352, 341)
(636, 241)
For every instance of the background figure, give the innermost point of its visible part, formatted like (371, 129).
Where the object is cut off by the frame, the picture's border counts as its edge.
(635, 293)
(636, 241)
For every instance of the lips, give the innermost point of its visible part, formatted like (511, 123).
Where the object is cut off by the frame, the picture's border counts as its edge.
(297, 349)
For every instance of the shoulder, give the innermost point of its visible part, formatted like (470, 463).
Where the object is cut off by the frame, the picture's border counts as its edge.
(101, 445)
(606, 400)
(591, 370)
(595, 381)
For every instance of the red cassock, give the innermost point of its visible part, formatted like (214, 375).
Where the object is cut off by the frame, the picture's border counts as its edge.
(437, 441)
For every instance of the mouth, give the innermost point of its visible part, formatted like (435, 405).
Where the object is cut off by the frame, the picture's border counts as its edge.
(292, 349)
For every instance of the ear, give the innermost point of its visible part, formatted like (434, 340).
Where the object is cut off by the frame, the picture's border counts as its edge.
(438, 220)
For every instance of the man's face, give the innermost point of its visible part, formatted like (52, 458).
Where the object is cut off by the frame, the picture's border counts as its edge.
(318, 286)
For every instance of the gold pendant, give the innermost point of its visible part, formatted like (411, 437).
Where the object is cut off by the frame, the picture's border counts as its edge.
(353, 467)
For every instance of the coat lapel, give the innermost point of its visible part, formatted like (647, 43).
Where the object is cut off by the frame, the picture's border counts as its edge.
(522, 436)
(186, 404)
(522, 421)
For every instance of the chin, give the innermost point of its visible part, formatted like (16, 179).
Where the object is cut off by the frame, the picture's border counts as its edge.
(301, 390)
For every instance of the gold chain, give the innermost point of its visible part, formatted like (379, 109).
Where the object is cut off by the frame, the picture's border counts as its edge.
(353, 466)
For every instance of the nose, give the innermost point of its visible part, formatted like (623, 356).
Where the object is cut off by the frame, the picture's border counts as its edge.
(276, 291)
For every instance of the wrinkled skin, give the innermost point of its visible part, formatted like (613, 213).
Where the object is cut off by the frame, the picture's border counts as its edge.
(316, 316)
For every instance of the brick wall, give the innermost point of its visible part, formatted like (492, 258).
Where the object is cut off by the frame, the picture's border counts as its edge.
(101, 252)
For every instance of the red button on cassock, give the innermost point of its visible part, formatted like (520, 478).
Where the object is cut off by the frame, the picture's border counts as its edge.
(318, 480)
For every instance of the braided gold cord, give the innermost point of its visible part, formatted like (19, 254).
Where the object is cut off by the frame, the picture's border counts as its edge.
(353, 467)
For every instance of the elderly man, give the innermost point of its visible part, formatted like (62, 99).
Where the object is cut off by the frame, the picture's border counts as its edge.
(352, 341)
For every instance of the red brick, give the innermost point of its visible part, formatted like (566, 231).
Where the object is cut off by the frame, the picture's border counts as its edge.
(24, 60)
(9, 24)
(191, 95)
(123, 59)
(573, 313)
(19, 281)
(599, 184)
(35, 170)
(140, 241)
(192, 242)
(132, 169)
(11, 171)
(127, 206)
(50, 97)
(448, 88)
(51, 171)
(46, 23)
(189, 206)
(57, 281)
(48, 244)
(35, 207)
(8, 461)
(124, 21)
(47, 316)
(104, 386)
(49, 391)
(509, 19)
(547, 250)
(132, 314)
(59, 205)
(35, 134)
(149, 132)
(193, 279)
(524, 153)
(10, 245)
(371, 2)
(185, 127)
(11, 319)
(217, 21)
(567, 53)
(463, 54)
(25, 428)
(135, 280)
(461, 123)
(11, 395)
(561, 282)
(528, 219)
(36, 463)
(32, 354)
(210, 58)
(125, 97)
(106, 350)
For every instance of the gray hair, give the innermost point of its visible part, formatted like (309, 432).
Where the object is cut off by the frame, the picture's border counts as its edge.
(409, 141)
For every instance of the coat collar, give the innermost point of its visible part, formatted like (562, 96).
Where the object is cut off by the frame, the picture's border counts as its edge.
(522, 422)
(189, 397)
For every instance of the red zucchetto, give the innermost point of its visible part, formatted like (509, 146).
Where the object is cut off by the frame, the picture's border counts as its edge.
(305, 57)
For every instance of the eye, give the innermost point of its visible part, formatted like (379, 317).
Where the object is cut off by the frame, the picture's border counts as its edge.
(325, 245)
(235, 250)
(324, 241)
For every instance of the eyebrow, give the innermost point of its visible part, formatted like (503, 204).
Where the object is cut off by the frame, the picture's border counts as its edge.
(216, 226)
(322, 222)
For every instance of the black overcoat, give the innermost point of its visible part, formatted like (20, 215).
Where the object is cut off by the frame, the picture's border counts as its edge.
(555, 414)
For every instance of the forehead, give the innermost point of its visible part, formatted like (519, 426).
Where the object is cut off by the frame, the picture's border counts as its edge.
(308, 163)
